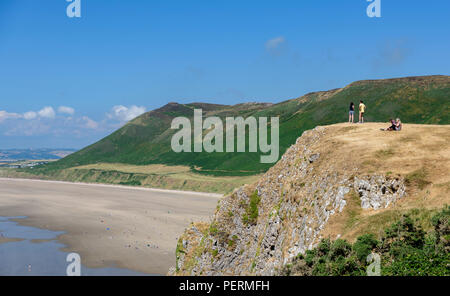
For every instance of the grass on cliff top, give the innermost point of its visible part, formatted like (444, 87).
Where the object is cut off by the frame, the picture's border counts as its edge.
(419, 154)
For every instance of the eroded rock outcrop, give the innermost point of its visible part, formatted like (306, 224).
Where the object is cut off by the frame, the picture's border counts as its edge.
(378, 192)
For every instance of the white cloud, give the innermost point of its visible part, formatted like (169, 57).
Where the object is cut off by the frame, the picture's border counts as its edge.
(66, 110)
(89, 123)
(124, 114)
(5, 115)
(30, 115)
(64, 122)
(47, 112)
(275, 43)
(28, 128)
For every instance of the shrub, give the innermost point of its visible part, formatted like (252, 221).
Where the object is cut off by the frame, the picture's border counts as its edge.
(441, 223)
(405, 232)
(252, 213)
(324, 247)
(131, 183)
(253, 209)
(340, 248)
(405, 250)
(213, 229)
(364, 246)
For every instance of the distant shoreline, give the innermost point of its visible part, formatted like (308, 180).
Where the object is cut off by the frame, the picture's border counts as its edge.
(115, 186)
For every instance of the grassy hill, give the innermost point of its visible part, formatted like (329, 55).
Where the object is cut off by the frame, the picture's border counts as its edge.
(146, 139)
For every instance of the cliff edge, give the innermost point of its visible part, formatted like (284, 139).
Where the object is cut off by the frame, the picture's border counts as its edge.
(335, 181)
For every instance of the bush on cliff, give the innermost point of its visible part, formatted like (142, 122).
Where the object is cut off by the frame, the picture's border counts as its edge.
(405, 249)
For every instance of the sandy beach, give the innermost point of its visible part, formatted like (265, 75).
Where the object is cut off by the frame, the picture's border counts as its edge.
(132, 228)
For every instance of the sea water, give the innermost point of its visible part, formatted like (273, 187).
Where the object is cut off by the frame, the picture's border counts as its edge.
(39, 253)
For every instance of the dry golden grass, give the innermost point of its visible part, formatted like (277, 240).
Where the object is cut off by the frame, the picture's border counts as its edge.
(420, 154)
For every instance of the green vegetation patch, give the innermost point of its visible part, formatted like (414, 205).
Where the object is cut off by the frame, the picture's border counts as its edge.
(384, 153)
(405, 249)
(131, 183)
(417, 178)
(252, 212)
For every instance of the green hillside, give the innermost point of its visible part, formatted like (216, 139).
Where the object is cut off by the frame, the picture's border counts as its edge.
(146, 139)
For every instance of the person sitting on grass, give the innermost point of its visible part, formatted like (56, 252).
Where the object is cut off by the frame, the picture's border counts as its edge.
(398, 125)
(392, 127)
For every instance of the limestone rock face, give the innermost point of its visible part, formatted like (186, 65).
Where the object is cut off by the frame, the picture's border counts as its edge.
(261, 227)
(378, 192)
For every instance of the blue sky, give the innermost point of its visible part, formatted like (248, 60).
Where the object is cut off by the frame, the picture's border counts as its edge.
(67, 82)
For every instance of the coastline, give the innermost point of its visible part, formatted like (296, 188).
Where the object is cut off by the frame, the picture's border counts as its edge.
(115, 186)
(108, 225)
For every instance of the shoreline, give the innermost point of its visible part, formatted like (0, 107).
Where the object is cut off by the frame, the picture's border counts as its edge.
(108, 225)
(217, 195)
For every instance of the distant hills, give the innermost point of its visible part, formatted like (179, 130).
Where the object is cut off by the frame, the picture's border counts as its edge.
(34, 154)
(146, 139)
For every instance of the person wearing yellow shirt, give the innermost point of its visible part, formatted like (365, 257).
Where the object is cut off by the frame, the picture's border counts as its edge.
(362, 110)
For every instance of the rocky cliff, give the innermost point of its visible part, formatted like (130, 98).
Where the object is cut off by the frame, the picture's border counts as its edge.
(332, 182)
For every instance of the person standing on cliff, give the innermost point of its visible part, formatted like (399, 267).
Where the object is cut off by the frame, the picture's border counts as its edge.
(362, 110)
(351, 114)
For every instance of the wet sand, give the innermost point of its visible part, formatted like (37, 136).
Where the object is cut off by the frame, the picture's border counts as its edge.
(9, 240)
(109, 226)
